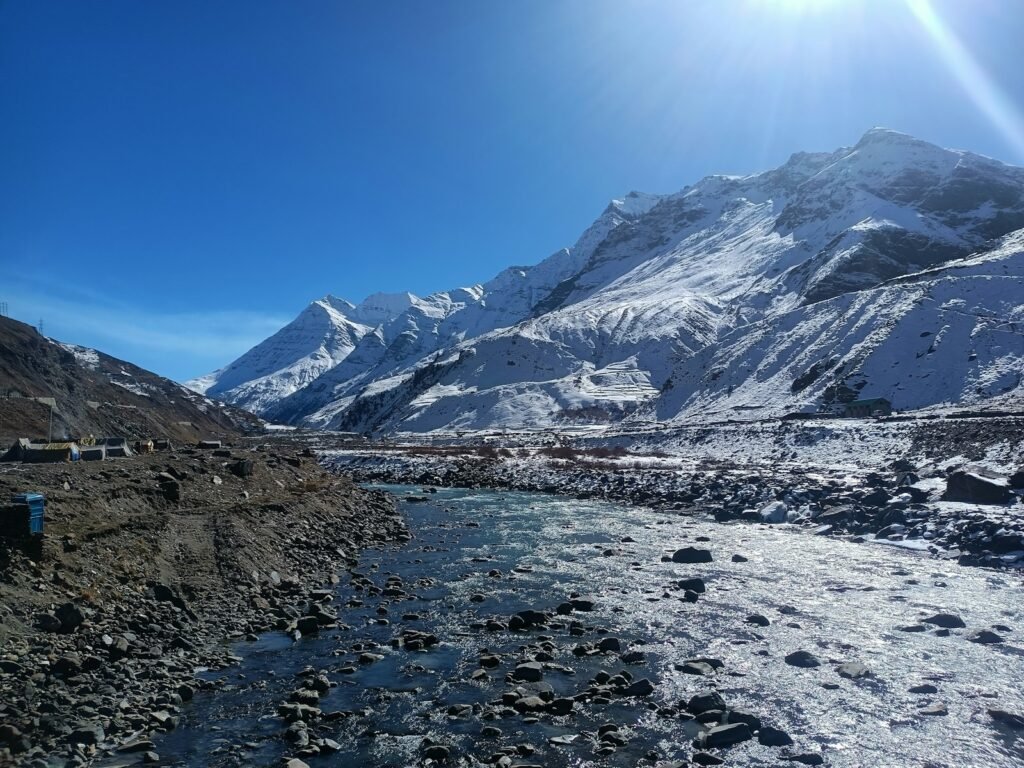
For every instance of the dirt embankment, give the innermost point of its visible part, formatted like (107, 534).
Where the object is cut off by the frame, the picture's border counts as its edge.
(147, 567)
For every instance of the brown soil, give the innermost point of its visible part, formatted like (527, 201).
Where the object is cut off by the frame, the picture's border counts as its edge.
(230, 556)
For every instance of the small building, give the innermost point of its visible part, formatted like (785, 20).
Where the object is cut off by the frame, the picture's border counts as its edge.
(23, 517)
(208, 444)
(116, 447)
(162, 444)
(17, 450)
(863, 409)
(94, 452)
(51, 453)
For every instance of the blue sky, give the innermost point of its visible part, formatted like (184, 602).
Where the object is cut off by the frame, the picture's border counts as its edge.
(178, 179)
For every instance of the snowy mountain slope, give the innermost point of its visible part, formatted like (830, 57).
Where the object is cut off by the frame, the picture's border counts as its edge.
(447, 318)
(954, 334)
(318, 339)
(661, 284)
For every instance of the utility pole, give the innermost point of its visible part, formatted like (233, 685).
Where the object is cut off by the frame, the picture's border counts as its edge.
(3, 309)
(41, 327)
(49, 428)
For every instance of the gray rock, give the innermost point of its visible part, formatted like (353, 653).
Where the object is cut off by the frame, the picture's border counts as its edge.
(70, 617)
(853, 670)
(642, 687)
(804, 659)
(773, 737)
(985, 637)
(67, 665)
(561, 706)
(47, 622)
(705, 702)
(976, 489)
(88, 733)
(807, 758)
(530, 672)
(692, 555)
(726, 735)
(1007, 718)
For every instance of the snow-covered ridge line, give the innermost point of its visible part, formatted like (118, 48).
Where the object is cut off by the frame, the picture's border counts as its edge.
(888, 269)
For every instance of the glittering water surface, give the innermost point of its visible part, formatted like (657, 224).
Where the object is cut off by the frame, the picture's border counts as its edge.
(840, 601)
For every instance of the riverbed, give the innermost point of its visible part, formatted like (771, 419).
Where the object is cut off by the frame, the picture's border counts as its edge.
(486, 555)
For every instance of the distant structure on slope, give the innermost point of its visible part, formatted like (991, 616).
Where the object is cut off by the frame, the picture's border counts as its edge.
(862, 409)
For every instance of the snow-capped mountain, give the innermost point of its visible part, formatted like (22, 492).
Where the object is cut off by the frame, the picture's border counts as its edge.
(321, 336)
(737, 295)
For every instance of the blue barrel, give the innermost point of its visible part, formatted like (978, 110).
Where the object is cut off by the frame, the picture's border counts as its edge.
(36, 504)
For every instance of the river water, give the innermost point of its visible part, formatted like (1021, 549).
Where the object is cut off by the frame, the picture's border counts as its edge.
(842, 602)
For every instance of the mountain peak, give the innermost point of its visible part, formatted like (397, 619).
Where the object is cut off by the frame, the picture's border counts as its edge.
(635, 203)
(379, 308)
(336, 303)
(888, 139)
(658, 280)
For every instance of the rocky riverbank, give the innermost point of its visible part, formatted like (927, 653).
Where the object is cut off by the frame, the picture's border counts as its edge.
(148, 568)
(534, 630)
(947, 510)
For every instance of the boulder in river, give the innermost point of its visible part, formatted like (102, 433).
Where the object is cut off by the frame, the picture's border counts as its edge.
(773, 737)
(1007, 718)
(775, 512)
(802, 659)
(691, 555)
(975, 488)
(530, 672)
(853, 670)
(985, 637)
(945, 621)
(726, 735)
(642, 687)
(705, 702)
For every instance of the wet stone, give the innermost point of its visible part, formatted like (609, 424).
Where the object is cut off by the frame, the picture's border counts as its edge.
(726, 735)
(945, 621)
(804, 659)
(691, 555)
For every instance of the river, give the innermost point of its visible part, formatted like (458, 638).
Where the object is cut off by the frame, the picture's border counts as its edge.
(840, 601)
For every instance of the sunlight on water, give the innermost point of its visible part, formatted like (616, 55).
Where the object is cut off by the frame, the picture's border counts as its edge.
(841, 602)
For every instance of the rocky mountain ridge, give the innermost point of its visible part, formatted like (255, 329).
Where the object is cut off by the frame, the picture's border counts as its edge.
(758, 295)
(93, 393)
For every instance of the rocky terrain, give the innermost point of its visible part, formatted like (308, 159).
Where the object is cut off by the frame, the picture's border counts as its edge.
(524, 629)
(944, 505)
(148, 567)
(99, 395)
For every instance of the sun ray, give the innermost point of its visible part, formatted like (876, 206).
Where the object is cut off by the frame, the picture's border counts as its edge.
(973, 78)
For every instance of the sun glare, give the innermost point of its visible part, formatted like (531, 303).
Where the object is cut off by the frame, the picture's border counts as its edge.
(801, 6)
(982, 89)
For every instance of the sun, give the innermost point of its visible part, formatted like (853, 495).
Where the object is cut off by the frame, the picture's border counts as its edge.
(800, 6)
